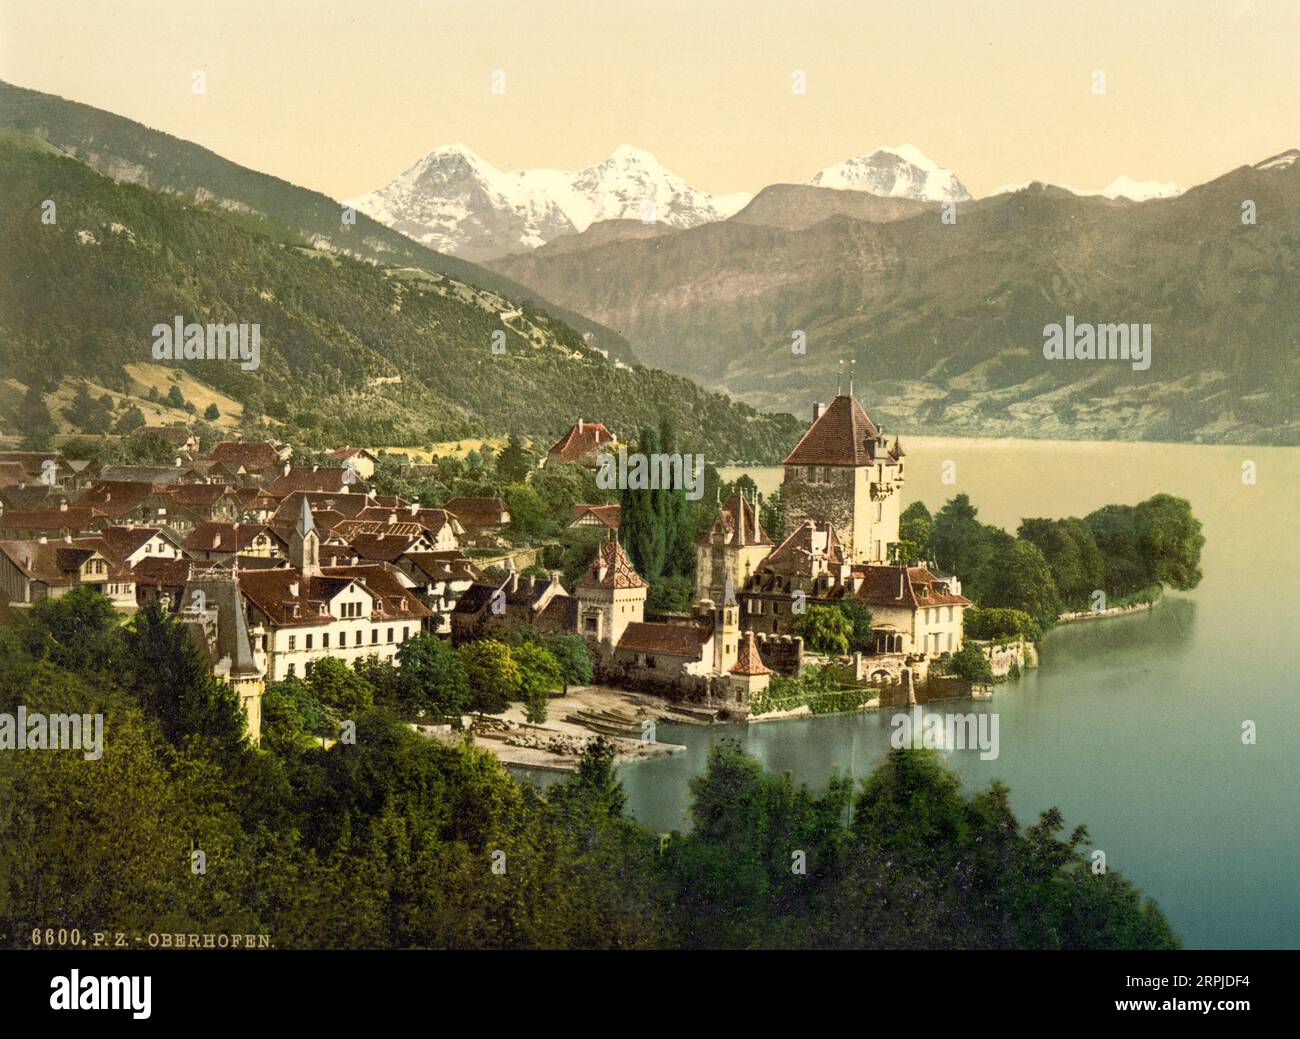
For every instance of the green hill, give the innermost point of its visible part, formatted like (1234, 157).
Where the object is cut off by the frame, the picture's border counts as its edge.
(79, 299)
(129, 151)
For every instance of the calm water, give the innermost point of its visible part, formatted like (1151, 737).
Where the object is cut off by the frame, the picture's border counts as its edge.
(1132, 726)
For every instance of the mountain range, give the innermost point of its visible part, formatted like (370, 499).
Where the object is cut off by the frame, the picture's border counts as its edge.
(945, 320)
(352, 350)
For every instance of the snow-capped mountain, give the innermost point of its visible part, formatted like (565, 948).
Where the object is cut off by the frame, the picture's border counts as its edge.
(902, 172)
(1121, 187)
(456, 202)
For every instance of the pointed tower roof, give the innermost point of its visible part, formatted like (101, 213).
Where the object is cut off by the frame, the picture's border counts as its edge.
(749, 661)
(611, 569)
(737, 524)
(844, 435)
(305, 524)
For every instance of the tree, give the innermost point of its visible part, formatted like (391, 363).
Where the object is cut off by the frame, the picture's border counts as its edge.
(571, 652)
(35, 422)
(772, 514)
(859, 617)
(174, 397)
(174, 684)
(971, 664)
(291, 717)
(1023, 581)
(513, 464)
(964, 546)
(1116, 529)
(916, 528)
(432, 677)
(540, 673)
(527, 511)
(1077, 567)
(825, 629)
(641, 530)
(337, 686)
(1170, 540)
(212, 412)
(130, 421)
(494, 677)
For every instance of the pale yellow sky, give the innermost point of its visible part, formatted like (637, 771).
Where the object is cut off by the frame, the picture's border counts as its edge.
(342, 96)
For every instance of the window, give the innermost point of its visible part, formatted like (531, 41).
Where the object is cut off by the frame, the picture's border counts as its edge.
(325, 640)
(309, 638)
(374, 636)
(390, 634)
(293, 643)
(289, 673)
(406, 634)
(358, 639)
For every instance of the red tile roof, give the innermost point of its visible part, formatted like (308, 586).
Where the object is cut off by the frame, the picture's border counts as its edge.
(477, 512)
(844, 435)
(270, 592)
(581, 440)
(318, 478)
(881, 587)
(749, 662)
(12, 474)
(223, 537)
(73, 519)
(679, 640)
(606, 514)
(611, 569)
(252, 455)
(797, 553)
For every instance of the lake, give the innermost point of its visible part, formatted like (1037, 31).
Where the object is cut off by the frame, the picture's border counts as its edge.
(1133, 725)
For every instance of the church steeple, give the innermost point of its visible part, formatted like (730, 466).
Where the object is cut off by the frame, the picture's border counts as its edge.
(304, 547)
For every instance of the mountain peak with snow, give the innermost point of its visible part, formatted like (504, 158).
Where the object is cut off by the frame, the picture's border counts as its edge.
(456, 202)
(902, 171)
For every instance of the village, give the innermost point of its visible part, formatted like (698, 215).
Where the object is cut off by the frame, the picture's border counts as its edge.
(273, 567)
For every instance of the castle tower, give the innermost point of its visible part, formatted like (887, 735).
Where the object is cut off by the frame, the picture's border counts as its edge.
(845, 471)
(726, 629)
(735, 544)
(611, 595)
(304, 546)
(747, 676)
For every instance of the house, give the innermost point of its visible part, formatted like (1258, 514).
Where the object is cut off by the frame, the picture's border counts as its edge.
(13, 474)
(175, 436)
(481, 518)
(498, 603)
(847, 472)
(735, 545)
(251, 459)
(227, 543)
(913, 610)
(163, 580)
(156, 475)
(129, 503)
(47, 467)
(129, 546)
(208, 503)
(310, 611)
(318, 479)
(31, 571)
(595, 517)
(443, 527)
(580, 445)
(48, 522)
(357, 458)
(439, 579)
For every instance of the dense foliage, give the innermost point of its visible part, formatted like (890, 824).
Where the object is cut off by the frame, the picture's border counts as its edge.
(395, 840)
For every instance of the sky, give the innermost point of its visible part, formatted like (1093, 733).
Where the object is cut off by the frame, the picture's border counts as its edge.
(343, 96)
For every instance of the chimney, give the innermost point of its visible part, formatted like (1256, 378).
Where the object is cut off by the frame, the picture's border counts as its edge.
(579, 424)
(42, 540)
(63, 506)
(293, 589)
(902, 573)
(415, 508)
(284, 469)
(756, 508)
(818, 408)
(315, 468)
